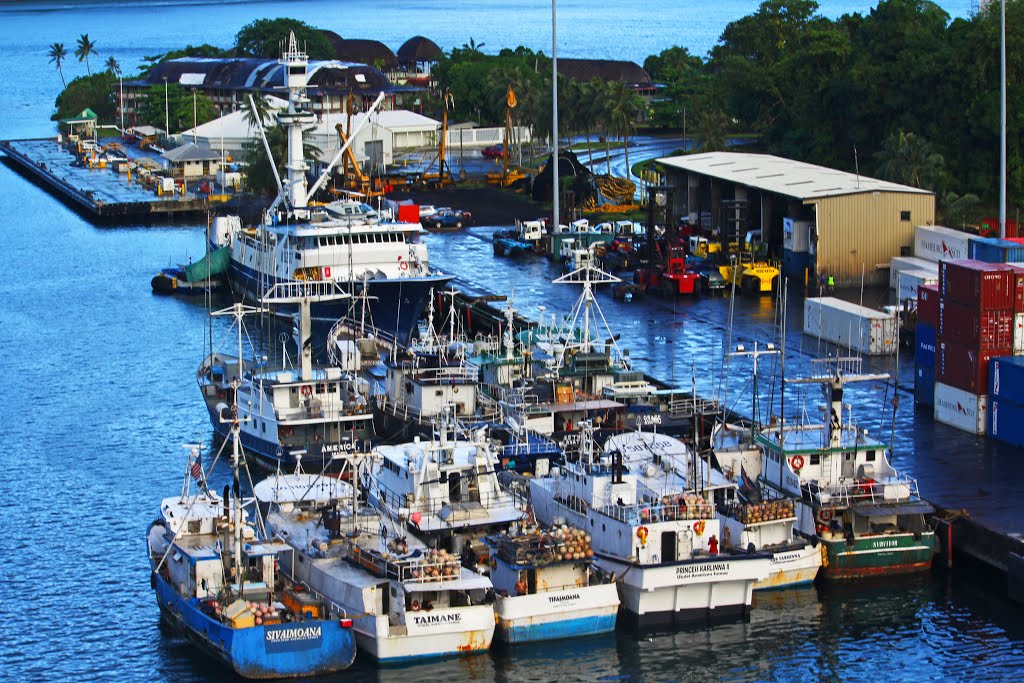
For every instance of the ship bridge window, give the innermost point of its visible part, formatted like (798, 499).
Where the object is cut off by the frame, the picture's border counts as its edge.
(870, 456)
(815, 459)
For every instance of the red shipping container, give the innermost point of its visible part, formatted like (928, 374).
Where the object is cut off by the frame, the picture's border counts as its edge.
(1018, 285)
(985, 285)
(408, 213)
(928, 305)
(964, 368)
(975, 329)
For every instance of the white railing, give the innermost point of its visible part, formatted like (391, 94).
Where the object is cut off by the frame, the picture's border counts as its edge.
(484, 137)
(895, 489)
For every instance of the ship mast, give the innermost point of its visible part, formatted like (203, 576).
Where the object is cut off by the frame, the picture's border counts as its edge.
(295, 119)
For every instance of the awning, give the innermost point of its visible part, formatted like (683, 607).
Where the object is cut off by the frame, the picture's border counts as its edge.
(918, 507)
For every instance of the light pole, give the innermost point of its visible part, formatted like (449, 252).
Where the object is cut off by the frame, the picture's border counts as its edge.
(554, 119)
(1002, 119)
(167, 110)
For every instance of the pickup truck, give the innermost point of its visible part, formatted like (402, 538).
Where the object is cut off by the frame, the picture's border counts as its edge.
(447, 219)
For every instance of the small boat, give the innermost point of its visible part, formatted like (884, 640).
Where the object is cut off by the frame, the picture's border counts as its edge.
(547, 586)
(202, 277)
(217, 581)
(407, 601)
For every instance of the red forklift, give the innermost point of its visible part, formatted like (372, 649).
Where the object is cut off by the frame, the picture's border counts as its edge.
(666, 271)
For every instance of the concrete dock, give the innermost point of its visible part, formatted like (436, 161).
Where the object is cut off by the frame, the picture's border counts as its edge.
(101, 192)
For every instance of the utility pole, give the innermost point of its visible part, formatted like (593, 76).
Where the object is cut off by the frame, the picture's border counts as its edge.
(167, 116)
(554, 118)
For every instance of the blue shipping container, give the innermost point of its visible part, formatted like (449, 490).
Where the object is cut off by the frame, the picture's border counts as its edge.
(924, 343)
(995, 250)
(924, 385)
(795, 263)
(1006, 421)
(1006, 378)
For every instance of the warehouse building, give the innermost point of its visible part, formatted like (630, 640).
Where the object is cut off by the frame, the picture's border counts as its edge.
(819, 222)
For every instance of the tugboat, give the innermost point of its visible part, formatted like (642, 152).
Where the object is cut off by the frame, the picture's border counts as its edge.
(321, 410)
(346, 242)
(407, 601)
(217, 581)
(869, 517)
(665, 550)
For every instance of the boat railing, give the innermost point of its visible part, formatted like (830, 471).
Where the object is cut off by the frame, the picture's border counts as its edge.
(686, 406)
(648, 513)
(430, 566)
(461, 373)
(411, 504)
(898, 488)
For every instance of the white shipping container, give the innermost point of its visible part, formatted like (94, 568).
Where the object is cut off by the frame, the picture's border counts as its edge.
(1018, 334)
(858, 328)
(961, 409)
(231, 179)
(911, 280)
(167, 184)
(901, 264)
(796, 235)
(935, 243)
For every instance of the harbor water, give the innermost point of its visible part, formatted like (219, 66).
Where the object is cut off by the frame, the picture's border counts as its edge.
(101, 395)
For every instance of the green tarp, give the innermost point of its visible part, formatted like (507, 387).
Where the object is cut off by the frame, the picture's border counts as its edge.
(215, 263)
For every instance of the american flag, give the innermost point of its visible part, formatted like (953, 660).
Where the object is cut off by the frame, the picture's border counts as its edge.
(197, 468)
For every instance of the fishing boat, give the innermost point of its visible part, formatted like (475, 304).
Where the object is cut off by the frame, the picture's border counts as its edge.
(346, 242)
(203, 277)
(216, 581)
(547, 587)
(869, 518)
(320, 410)
(406, 601)
(664, 550)
(445, 489)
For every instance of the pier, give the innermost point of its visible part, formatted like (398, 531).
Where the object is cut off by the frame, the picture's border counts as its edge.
(102, 193)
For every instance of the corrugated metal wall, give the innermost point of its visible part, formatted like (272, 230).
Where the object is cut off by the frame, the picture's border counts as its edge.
(860, 232)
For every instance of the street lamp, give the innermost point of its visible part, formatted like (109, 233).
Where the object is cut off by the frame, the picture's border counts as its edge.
(167, 116)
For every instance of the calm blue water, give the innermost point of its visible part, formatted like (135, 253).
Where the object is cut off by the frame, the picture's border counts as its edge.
(100, 395)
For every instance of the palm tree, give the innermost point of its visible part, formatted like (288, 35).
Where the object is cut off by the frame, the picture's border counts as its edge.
(85, 48)
(711, 126)
(624, 106)
(261, 113)
(57, 55)
(113, 67)
(908, 159)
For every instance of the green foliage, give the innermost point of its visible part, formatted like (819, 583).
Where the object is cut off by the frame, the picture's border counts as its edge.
(264, 38)
(203, 50)
(85, 48)
(179, 108)
(259, 177)
(94, 91)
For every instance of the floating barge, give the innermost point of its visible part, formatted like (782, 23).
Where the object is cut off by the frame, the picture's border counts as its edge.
(102, 192)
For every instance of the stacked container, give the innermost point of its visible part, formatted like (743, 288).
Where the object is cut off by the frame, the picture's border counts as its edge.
(976, 317)
(924, 340)
(1006, 392)
(995, 250)
(796, 246)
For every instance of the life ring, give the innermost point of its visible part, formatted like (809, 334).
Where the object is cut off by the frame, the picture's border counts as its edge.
(825, 515)
(797, 463)
(641, 534)
(306, 390)
(455, 390)
(403, 266)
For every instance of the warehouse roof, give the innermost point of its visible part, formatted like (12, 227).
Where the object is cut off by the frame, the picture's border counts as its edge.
(786, 177)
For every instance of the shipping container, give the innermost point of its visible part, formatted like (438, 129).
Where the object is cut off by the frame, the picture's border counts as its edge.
(796, 235)
(960, 409)
(924, 385)
(995, 250)
(911, 280)
(1006, 378)
(1006, 421)
(973, 328)
(935, 243)
(902, 264)
(924, 345)
(928, 305)
(408, 213)
(1018, 334)
(985, 285)
(1018, 285)
(861, 329)
(962, 367)
(990, 228)
(795, 264)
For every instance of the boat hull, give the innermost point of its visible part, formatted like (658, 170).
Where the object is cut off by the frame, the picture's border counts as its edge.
(395, 304)
(569, 613)
(260, 652)
(697, 591)
(877, 556)
(792, 568)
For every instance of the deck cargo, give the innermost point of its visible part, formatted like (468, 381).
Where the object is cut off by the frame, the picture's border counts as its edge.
(858, 328)
(935, 243)
(984, 285)
(961, 409)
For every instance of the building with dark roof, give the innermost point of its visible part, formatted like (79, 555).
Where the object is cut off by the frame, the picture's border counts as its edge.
(612, 70)
(416, 57)
(361, 51)
(226, 81)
